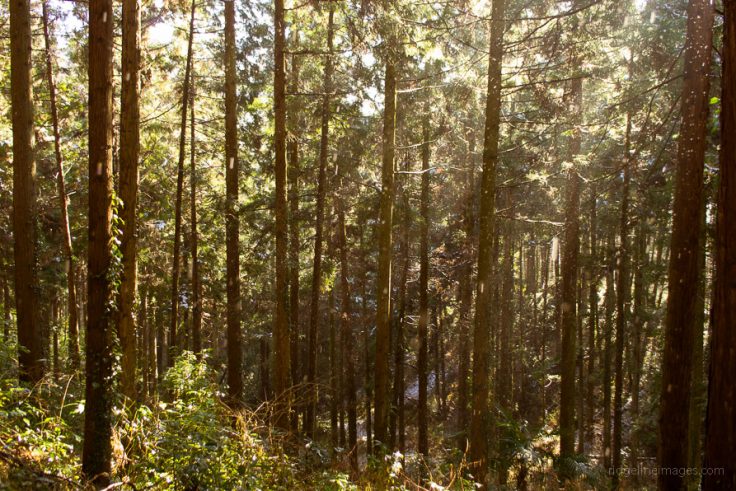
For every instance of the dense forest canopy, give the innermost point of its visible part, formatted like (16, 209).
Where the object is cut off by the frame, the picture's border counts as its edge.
(365, 244)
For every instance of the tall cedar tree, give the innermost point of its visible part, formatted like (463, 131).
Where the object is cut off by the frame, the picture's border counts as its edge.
(423, 443)
(720, 440)
(292, 151)
(73, 326)
(97, 449)
(281, 371)
(385, 221)
(479, 419)
(309, 423)
(232, 222)
(571, 247)
(176, 267)
(30, 346)
(685, 246)
(129, 151)
(194, 240)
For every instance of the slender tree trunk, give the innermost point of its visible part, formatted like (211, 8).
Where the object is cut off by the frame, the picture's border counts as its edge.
(319, 225)
(346, 330)
(175, 271)
(385, 225)
(334, 378)
(63, 203)
(366, 354)
(607, 355)
(30, 350)
(590, 402)
(479, 422)
(6, 310)
(232, 221)
(684, 247)
(571, 247)
(292, 150)
(194, 240)
(638, 351)
(282, 371)
(397, 410)
(720, 433)
(622, 304)
(55, 326)
(423, 443)
(466, 299)
(97, 448)
(129, 151)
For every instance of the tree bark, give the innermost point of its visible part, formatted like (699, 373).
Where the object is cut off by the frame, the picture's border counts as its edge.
(318, 232)
(720, 436)
(684, 246)
(423, 439)
(175, 271)
(30, 350)
(479, 422)
(292, 150)
(232, 220)
(622, 304)
(282, 371)
(385, 223)
(97, 448)
(346, 330)
(607, 355)
(63, 200)
(129, 153)
(571, 248)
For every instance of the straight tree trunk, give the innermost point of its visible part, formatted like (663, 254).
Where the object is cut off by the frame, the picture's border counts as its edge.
(385, 248)
(479, 418)
(319, 225)
(466, 299)
(194, 239)
(720, 433)
(281, 371)
(6, 310)
(129, 152)
(97, 447)
(571, 248)
(607, 355)
(346, 330)
(423, 439)
(232, 220)
(622, 304)
(684, 246)
(292, 150)
(30, 349)
(592, 318)
(175, 272)
(63, 203)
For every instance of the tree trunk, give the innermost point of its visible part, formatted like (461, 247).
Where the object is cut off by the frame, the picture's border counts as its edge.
(30, 350)
(385, 249)
(622, 303)
(173, 341)
(479, 422)
(466, 299)
(720, 439)
(63, 203)
(607, 355)
(685, 247)
(97, 449)
(282, 371)
(592, 319)
(318, 226)
(346, 330)
(129, 150)
(423, 439)
(292, 150)
(571, 247)
(194, 241)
